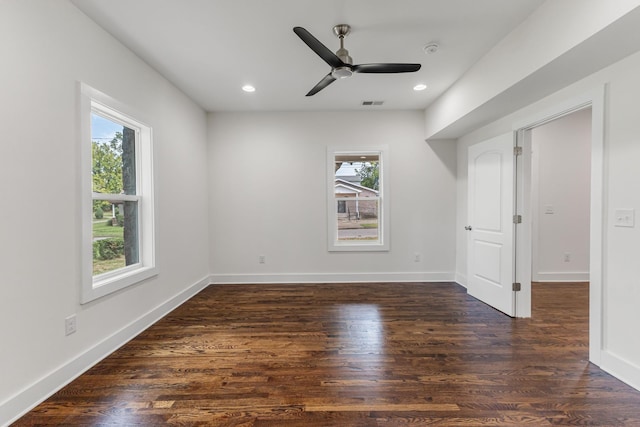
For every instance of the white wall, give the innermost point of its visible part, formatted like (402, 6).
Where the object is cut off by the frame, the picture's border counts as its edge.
(560, 42)
(268, 197)
(47, 47)
(621, 349)
(560, 192)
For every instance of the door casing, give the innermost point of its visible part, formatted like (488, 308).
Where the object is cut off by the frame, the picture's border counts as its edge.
(594, 99)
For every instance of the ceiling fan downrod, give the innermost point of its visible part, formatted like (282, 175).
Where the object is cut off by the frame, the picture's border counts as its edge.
(341, 31)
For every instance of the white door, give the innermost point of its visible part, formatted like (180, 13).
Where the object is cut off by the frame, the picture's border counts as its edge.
(490, 241)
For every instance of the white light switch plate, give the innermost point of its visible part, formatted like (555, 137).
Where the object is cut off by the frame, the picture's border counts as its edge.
(624, 218)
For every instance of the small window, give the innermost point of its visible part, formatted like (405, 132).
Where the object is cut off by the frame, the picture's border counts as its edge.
(118, 230)
(358, 217)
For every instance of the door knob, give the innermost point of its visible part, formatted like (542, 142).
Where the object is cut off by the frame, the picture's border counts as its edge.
(468, 228)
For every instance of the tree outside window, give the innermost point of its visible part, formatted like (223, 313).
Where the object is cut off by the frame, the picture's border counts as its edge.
(115, 227)
(355, 195)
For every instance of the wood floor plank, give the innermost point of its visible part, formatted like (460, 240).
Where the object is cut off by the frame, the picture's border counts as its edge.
(394, 354)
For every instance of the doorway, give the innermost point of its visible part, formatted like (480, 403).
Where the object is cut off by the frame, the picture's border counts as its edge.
(560, 201)
(560, 198)
(592, 101)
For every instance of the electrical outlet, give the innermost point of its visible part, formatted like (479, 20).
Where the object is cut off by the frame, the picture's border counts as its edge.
(416, 257)
(567, 257)
(262, 259)
(70, 325)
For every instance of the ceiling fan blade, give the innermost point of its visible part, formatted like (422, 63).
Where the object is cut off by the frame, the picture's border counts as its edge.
(321, 50)
(326, 81)
(386, 68)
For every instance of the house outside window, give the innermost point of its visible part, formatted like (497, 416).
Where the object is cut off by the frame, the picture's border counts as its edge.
(358, 216)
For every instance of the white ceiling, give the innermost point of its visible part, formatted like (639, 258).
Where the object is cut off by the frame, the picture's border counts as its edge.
(211, 48)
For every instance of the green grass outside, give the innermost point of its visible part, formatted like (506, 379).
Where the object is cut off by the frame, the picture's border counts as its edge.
(369, 225)
(102, 266)
(103, 228)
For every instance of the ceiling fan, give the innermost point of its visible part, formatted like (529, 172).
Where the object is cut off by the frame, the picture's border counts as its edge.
(341, 63)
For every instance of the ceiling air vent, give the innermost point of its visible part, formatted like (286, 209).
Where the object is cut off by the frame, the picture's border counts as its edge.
(372, 103)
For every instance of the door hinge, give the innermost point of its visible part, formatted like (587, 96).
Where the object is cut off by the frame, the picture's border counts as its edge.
(517, 151)
(517, 219)
(516, 287)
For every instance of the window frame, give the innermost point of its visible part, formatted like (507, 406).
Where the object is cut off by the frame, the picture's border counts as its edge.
(93, 287)
(383, 242)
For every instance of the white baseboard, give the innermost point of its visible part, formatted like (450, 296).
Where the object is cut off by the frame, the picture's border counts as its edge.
(332, 277)
(32, 395)
(461, 279)
(561, 276)
(625, 371)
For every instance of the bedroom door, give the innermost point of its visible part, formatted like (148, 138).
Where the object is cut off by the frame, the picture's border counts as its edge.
(490, 230)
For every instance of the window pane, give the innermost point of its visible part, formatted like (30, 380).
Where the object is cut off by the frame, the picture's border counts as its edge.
(357, 196)
(359, 169)
(359, 222)
(113, 157)
(115, 235)
(357, 214)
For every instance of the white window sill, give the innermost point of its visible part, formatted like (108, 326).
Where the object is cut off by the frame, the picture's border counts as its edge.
(109, 283)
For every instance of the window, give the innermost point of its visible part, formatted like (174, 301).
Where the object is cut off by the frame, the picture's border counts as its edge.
(117, 208)
(358, 217)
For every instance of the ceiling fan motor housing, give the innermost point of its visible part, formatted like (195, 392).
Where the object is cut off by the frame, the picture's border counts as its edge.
(342, 72)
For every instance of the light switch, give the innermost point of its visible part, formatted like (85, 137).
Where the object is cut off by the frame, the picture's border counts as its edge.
(624, 218)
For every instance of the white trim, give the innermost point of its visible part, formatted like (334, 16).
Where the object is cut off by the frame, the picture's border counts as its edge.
(620, 368)
(35, 393)
(292, 278)
(116, 197)
(598, 220)
(595, 99)
(94, 287)
(108, 283)
(382, 244)
(461, 279)
(523, 232)
(562, 276)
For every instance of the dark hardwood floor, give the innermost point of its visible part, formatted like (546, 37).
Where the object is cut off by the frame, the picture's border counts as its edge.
(352, 355)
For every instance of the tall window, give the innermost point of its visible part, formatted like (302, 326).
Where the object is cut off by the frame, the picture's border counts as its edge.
(115, 197)
(358, 216)
(118, 230)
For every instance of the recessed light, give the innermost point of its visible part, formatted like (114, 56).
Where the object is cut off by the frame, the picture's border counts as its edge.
(421, 86)
(248, 88)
